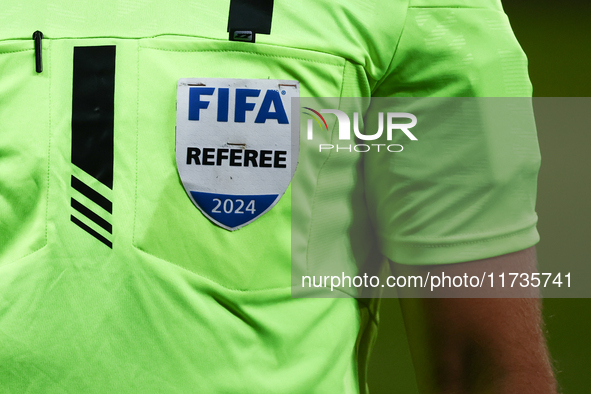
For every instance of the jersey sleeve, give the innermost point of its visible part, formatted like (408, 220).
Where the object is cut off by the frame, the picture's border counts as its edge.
(466, 189)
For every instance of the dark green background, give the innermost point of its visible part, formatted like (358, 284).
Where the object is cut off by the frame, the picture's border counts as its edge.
(556, 36)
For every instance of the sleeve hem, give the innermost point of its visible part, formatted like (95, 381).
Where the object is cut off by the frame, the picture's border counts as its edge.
(446, 253)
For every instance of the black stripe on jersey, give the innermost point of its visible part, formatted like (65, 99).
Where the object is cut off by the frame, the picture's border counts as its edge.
(93, 108)
(91, 231)
(91, 194)
(91, 215)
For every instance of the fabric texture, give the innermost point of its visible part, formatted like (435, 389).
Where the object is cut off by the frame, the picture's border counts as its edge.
(180, 305)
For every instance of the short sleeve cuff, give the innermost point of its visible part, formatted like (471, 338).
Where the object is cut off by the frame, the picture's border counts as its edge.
(447, 252)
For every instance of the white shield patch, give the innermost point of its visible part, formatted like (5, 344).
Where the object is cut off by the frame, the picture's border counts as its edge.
(235, 151)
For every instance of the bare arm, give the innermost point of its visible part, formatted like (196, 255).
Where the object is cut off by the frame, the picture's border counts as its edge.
(479, 345)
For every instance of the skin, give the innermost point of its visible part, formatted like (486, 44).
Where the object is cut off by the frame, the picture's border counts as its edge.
(479, 345)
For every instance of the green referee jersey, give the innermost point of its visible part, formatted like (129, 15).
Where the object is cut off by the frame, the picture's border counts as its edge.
(112, 281)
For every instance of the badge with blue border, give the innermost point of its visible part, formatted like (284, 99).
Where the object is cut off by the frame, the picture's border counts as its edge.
(235, 150)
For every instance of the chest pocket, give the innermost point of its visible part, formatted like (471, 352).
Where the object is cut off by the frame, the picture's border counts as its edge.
(167, 224)
(24, 139)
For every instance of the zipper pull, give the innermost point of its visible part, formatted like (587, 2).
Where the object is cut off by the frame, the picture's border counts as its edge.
(38, 36)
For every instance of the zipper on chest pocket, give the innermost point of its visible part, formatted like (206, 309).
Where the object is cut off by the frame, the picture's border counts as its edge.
(38, 36)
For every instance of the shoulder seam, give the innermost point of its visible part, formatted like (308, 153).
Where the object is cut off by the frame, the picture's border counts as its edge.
(395, 51)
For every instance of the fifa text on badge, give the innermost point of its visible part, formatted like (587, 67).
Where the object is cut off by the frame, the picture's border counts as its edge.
(196, 103)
